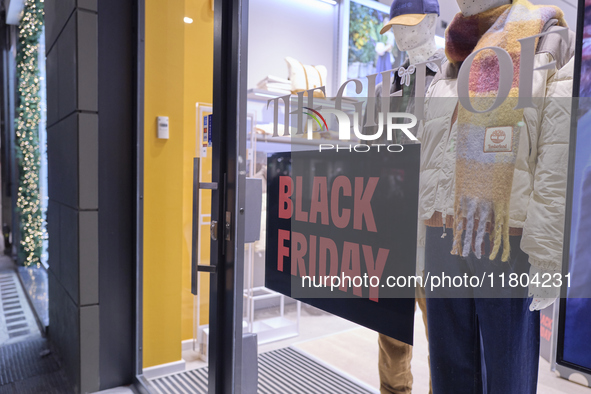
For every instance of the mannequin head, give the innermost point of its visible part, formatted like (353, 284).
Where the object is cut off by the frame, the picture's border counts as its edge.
(473, 7)
(411, 13)
(411, 37)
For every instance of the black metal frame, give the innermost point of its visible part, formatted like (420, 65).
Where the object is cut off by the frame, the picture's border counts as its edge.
(569, 192)
(118, 186)
(229, 164)
(139, 252)
(140, 383)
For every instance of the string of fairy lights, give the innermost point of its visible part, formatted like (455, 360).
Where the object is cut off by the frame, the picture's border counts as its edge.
(28, 119)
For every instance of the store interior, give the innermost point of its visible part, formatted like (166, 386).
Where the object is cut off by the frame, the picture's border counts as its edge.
(292, 45)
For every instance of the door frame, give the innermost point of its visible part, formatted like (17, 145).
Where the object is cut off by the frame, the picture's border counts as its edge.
(228, 169)
(229, 166)
(139, 252)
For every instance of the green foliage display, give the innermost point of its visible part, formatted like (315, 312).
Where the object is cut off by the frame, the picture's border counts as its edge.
(364, 33)
(28, 119)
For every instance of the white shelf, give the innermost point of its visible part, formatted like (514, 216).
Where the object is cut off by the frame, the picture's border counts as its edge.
(275, 329)
(347, 103)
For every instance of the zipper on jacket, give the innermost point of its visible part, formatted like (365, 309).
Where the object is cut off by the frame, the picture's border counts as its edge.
(453, 120)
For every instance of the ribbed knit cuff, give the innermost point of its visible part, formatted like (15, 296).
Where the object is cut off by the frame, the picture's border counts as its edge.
(546, 265)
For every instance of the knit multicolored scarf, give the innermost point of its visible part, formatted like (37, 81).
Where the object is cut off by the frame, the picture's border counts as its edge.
(484, 177)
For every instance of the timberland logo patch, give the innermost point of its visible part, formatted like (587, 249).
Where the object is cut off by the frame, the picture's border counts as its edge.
(498, 139)
(498, 136)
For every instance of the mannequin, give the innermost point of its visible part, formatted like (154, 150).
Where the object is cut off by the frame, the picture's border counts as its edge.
(415, 34)
(419, 40)
(492, 324)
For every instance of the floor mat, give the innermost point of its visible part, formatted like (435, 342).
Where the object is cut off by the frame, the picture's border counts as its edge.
(17, 322)
(282, 371)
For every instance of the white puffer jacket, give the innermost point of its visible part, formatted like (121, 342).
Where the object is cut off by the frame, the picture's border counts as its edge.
(539, 184)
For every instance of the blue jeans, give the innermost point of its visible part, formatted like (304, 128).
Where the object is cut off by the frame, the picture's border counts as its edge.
(479, 344)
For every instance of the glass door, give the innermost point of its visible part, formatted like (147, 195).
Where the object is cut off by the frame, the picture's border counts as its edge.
(194, 170)
(229, 165)
(310, 343)
(215, 75)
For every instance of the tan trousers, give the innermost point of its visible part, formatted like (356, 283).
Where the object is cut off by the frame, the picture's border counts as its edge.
(395, 356)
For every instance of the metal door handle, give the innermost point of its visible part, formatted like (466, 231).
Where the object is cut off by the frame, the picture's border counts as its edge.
(195, 267)
(228, 226)
(213, 230)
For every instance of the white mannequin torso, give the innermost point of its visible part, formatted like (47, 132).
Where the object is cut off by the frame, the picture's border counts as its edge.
(419, 40)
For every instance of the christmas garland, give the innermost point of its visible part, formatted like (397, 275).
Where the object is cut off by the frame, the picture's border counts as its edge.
(28, 119)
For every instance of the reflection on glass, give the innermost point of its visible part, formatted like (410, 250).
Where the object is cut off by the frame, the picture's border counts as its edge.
(369, 51)
(577, 347)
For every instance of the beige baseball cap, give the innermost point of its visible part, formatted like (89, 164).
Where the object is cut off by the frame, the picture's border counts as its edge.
(410, 12)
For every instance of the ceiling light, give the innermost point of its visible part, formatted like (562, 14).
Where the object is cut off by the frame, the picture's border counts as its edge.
(188, 20)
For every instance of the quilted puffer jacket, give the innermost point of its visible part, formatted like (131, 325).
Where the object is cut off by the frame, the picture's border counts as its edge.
(539, 185)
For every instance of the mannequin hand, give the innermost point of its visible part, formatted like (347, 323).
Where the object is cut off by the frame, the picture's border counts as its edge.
(543, 291)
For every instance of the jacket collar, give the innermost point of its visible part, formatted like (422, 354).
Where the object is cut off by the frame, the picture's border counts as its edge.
(439, 54)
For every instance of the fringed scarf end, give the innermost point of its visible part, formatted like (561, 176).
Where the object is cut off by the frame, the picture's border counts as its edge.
(500, 233)
(467, 211)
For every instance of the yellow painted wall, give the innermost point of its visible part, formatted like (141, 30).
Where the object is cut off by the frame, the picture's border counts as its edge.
(178, 73)
(198, 89)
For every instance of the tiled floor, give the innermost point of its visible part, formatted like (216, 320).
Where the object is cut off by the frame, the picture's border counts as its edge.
(31, 367)
(353, 350)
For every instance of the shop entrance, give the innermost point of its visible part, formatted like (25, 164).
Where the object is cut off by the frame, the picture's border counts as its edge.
(210, 321)
(190, 328)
